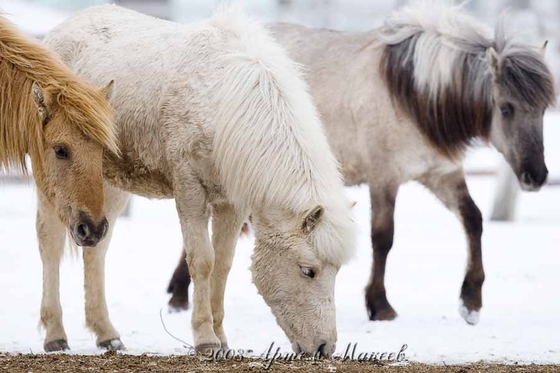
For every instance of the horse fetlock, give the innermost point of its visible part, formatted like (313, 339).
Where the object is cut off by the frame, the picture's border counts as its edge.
(219, 330)
(56, 336)
(471, 294)
(56, 345)
(205, 338)
(179, 289)
(105, 333)
(471, 300)
(378, 307)
(178, 303)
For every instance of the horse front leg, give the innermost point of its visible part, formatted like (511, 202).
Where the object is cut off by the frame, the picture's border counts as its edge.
(180, 281)
(97, 314)
(51, 235)
(179, 285)
(192, 207)
(452, 190)
(226, 224)
(382, 231)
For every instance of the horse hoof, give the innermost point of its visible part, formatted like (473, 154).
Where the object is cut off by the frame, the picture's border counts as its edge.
(178, 305)
(112, 345)
(207, 348)
(386, 313)
(58, 345)
(225, 347)
(472, 317)
(380, 310)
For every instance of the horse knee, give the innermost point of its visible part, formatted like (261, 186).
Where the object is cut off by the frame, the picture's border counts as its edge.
(201, 266)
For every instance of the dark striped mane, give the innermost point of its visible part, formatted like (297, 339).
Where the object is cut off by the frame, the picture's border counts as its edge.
(436, 69)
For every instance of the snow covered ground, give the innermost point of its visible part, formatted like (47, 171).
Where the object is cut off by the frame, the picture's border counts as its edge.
(520, 320)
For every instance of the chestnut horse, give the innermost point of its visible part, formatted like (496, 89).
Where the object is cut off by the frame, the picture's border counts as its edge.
(404, 102)
(64, 124)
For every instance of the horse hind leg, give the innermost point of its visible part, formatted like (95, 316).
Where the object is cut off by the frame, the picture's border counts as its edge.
(382, 231)
(51, 235)
(179, 285)
(97, 314)
(452, 190)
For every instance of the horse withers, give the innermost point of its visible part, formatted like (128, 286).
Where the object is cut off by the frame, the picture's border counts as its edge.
(404, 102)
(216, 116)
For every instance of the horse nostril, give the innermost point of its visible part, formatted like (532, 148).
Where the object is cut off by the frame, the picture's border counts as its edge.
(82, 231)
(526, 178)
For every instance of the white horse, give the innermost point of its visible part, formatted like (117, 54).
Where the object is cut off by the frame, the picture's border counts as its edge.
(216, 116)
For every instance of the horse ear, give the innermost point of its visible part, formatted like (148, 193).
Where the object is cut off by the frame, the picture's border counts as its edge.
(43, 102)
(494, 61)
(312, 219)
(108, 90)
(543, 48)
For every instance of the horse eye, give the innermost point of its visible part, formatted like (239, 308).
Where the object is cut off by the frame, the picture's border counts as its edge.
(507, 111)
(307, 271)
(61, 152)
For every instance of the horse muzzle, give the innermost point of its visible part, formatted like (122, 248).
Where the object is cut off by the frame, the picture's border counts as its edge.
(532, 180)
(88, 233)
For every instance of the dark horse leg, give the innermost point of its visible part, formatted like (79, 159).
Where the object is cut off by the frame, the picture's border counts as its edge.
(181, 279)
(382, 230)
(179, 285)
(452, 190)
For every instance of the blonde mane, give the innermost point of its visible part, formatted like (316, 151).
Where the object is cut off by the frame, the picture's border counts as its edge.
(23, 62)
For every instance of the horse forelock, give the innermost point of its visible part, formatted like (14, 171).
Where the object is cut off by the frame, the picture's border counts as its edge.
(84, 105)
(525, 77)
(435, 68)
(24, 62)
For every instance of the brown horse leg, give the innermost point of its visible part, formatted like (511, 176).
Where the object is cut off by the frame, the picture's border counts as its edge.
(179, 285)
(452, 190)
(382, 230)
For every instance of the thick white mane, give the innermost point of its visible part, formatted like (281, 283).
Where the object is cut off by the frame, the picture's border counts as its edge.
(269, 145)
(443, 33)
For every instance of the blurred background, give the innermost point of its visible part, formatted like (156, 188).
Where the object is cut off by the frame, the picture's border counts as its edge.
(541, 17)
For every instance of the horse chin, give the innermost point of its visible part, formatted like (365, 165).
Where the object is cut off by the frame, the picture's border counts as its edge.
(529, 187)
